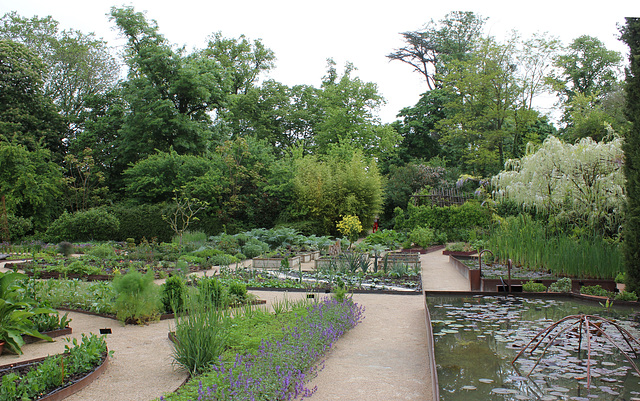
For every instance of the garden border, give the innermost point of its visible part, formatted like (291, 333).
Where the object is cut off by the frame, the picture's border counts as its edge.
(60, 394)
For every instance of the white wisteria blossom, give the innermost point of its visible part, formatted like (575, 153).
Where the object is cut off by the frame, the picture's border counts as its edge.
(579, 183)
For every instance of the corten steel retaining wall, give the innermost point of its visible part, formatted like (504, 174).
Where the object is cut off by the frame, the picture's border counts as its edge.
(435, 387)
(491, 284)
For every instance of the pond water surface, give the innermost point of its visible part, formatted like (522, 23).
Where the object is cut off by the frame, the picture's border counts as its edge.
(477, 337)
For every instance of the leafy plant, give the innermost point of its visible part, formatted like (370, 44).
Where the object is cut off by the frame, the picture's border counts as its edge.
(531, 286)
(16, 312)
(65, 248)
(626, 296)
(350, 227)
(51, 321)
(103, 251)
(422, 236)
(137, 298)
(596, 290)
(562, 285)
(621, 278)
(201, 335)
(174, 291)
(78, 359)
(211, 292)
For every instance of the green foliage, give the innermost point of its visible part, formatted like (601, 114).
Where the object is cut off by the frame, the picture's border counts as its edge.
(531, 286)
(174, 292)
(66, 248)
(621, 278)
(237, 292)
(390, 239)
(212, 292)
(97, 296)
(30, 182)
(141, 221)
(53, 371)
(626, 296)
(254, 248)
(631, 148)
(326, 190)
(49, 322)
(92, 225)
(16, 312)
(562, 285)
(102, 251)
(137, 297)
(422, 236)
(532, 244)
(596, 290)
(201, 335)
(454, 220)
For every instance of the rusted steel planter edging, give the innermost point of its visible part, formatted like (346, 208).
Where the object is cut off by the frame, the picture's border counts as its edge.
(61, 394)
(435, 386)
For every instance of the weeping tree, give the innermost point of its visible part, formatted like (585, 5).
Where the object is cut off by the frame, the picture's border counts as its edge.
(578, 184)
(631, 36)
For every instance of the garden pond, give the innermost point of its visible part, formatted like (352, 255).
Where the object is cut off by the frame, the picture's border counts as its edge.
(477, 337)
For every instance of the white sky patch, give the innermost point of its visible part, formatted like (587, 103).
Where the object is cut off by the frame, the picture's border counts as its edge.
(303, 34)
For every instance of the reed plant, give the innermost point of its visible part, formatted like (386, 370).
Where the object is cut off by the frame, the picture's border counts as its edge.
(201, 335)
(527, 243)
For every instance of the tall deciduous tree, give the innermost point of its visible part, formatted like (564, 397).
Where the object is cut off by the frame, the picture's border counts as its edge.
(77, 65)
(587, 67)
(631, 36)
(27, 116)
(428, 51)
(348, 107)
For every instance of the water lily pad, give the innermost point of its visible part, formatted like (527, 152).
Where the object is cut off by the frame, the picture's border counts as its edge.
(500, 390)
(469, 388)
(485, 380)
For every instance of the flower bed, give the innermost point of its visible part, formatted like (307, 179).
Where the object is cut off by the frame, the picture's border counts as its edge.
(279, 369)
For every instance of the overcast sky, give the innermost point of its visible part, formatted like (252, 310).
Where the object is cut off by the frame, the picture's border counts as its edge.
(303, 34)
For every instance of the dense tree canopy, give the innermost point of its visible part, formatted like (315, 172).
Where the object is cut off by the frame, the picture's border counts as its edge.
(205, 123)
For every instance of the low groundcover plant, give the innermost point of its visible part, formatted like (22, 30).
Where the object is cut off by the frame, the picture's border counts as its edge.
(279, 370)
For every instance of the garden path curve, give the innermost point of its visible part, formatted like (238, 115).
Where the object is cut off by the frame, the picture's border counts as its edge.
(383, 358)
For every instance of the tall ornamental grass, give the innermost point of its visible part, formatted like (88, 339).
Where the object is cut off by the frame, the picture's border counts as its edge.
(527, 243)
(278, 369)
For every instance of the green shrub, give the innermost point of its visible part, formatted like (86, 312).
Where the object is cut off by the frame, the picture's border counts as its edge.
(211, 292)
(103, 251)
(254, 248)
(141, 221)
(19, 227)
(531, 286)
(595, 290)
(66, 249)
(391, 239)
(422, 236)
(626, 296)
(137, 298)
(237, 291)
(454, 220)
(80, 268)
(95, 224)
(174, 291)
(562, 285)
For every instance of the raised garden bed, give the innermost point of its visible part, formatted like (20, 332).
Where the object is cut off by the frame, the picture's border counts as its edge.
(53, 334)
(69, 387)
(275, 263)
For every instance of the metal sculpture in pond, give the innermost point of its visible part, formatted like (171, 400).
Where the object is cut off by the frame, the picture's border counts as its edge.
(582, 325)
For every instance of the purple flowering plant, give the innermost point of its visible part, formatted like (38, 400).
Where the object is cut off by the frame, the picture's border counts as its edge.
(278, 369)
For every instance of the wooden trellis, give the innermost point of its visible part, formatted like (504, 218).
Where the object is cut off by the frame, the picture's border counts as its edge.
(441, 197)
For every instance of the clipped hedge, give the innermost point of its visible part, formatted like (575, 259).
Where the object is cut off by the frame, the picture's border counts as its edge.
(95, 224)
(454, 220)
(141, 221)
